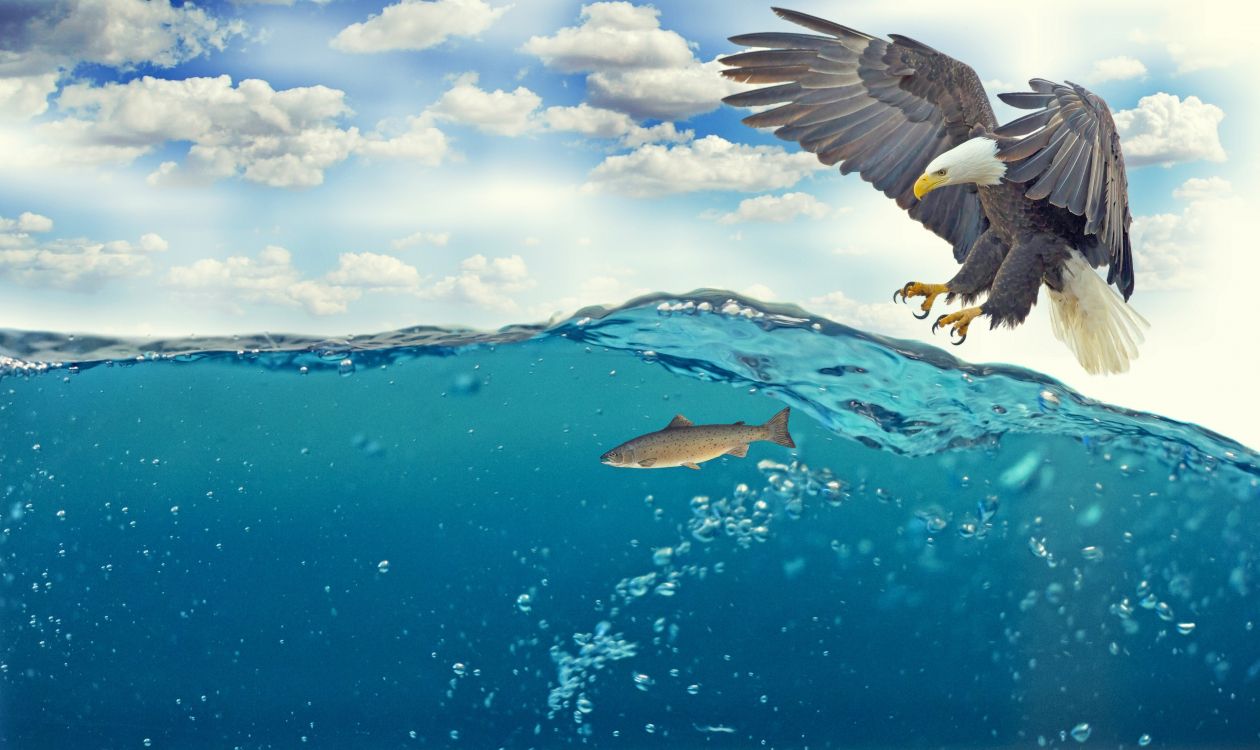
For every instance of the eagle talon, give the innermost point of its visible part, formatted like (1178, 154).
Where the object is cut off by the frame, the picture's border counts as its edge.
(928, 291)
(958, 323)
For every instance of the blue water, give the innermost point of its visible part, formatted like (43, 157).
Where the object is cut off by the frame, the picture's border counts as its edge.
(408, 540)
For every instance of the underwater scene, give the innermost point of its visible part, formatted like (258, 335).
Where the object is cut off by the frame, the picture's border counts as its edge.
(409, 540)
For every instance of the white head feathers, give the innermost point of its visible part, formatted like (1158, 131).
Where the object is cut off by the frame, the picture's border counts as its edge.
(972, 161)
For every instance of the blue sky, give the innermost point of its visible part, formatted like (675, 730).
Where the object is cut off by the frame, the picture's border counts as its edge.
(480, 162)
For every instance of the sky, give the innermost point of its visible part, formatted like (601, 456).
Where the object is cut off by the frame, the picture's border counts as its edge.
(346, 167)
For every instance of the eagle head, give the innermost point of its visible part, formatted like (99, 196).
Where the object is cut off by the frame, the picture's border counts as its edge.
(971, 161)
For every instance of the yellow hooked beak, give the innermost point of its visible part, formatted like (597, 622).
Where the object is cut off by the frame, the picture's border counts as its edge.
(927, 183)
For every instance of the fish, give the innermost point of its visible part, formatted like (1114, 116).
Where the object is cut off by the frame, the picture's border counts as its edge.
(683, 443)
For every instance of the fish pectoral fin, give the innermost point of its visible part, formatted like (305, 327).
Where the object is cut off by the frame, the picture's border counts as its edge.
(647, 463)
(738, 451)
(691, 465)
(679, 421)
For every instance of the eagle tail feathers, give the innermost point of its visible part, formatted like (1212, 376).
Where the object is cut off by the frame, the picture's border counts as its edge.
(1094, 321)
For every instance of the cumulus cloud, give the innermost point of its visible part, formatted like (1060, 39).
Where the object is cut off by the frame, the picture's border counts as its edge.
(890, 320)
(77, 264)
(41, 37)
(518, 112)
(1170, 250)
(485, 282)
(498, 112)
(1116, 69)
(271, 278)
(1165, 129)
(284, 138)
(437, 239)
(416, 25)
(596, 122)
(633, 65)
(710, 163)
(373, 271)
(777, 208)
(24, 97)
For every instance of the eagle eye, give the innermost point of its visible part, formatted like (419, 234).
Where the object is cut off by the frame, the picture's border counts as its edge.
(940, 172)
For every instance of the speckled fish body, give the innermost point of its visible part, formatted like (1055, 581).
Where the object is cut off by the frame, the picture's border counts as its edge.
(682, 443)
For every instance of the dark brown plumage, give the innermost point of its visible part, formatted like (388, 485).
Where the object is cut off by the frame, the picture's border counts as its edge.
(887, 108)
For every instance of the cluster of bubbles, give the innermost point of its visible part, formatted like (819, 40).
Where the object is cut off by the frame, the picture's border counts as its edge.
(11, 366)
(576, 671)
(746, 516)
(1146, 599)
(690, 307)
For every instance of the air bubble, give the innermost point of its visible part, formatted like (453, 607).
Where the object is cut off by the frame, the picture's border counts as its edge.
(524, 602)
(346, 367)
(382, 566)
(1081, 731)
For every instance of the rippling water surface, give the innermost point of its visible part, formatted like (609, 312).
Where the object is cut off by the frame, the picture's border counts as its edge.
(408, 540)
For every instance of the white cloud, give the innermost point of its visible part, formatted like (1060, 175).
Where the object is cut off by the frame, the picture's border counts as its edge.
(418, 141)
(271, 278)
(883, 318)
(662, 93)
(498, 112)
(710, 163)
(414, 25)
(1172, 250)
(437, 239)
(1165, 129)
(24, 97)
(596, 122)
(150, 243)
(758, 291)
(284, 138)
(268, 278)
(634, 65)
(42, 38)
(484, 282)
(612, 35)
(777, 208)
(518, 112)
(77, 264)
(1117, 69)
(26, 222)
(373, 271)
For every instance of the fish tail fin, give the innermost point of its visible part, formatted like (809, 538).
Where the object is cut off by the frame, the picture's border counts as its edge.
(1100, 328)
(777, 429)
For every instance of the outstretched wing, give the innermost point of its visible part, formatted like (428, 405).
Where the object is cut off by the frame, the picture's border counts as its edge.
(1070, 156)
(881, 108)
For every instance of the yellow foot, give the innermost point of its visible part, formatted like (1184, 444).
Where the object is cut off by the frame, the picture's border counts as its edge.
(959, 322)
(915, 289)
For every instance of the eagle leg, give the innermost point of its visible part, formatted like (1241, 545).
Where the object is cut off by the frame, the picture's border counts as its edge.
(958, 322)
(915, 289)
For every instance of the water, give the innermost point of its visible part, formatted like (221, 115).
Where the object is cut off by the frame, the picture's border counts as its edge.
(250, 543)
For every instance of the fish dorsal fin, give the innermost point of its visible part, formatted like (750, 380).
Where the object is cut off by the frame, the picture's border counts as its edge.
(678, 421)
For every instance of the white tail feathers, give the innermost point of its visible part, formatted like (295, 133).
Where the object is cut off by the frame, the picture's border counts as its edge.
(1093, 320)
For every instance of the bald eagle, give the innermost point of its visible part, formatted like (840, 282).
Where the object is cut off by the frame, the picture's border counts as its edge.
(1039, 200)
